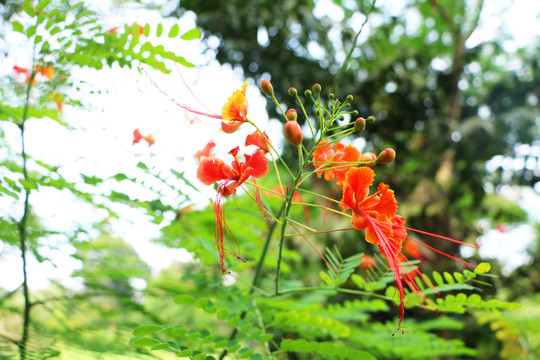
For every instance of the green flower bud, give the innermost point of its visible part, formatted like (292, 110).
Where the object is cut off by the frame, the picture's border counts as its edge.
(307, 92)
(317, 88)
(292, 91)
(370, 119)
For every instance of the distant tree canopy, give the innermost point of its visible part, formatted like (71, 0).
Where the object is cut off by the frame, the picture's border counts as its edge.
(445, 107)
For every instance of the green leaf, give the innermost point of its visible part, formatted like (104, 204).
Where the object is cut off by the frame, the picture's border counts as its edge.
(28, 9)
(222, 314)
(31, 31)
(265, 338)
(41, 5)
(175, 29)
(146, 329)
(142, 165)
(159, 30)
(184, 300)
(84, 13)
(161, 346)
(191, 34)
(201, 303)
(143, 341)
(482, 268)
(178, 332)
(182, 61)
(185, 353)
(200, 356)
(234, 321)
(18, 27)
(76, 6)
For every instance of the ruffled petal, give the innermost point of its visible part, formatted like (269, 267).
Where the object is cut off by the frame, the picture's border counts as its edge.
(260, 140)
(258, 164)
(212, 169)
(237, 106)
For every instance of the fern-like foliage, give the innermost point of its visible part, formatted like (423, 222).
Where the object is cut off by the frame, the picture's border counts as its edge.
(339, 269)
(198, 343)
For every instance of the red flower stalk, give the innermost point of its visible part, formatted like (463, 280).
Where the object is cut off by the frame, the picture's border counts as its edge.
(377, 215)
(229, 178)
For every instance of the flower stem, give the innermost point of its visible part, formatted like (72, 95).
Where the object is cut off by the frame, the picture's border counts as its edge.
(257, 272)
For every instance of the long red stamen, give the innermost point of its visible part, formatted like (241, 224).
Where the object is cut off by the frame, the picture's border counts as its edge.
(219, 218)
(383, 224)
(441, 252)
(394, 265)
(440, 237)
(221, 228)
(187, 86)
(177, 103)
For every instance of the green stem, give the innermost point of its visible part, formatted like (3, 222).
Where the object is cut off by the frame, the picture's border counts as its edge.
(303, 162)
(23, 226)
(351, 50)
(257, 273)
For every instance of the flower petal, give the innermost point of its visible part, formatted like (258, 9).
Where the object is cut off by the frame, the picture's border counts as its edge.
(258, 163)
(212, 169)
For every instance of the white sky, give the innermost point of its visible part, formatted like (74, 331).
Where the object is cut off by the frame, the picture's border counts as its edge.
(102, 143)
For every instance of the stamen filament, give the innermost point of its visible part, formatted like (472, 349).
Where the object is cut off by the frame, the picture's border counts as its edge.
(319, 232)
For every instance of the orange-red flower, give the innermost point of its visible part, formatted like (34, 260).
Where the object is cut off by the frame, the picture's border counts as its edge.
(368, 262)
(137, 137)
(230, 177)
(377, 215)
(23, 71)
(47, 71)
(235, 110)
(262, 141)
(205, 151)
(339, 154)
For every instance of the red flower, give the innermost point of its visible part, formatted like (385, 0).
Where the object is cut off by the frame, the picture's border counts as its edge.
(262, 141)
(340, 153)
(235, 110)
(230, 177)
(368, 263)
(23, 71)
(47, 71)
(137, 137)
(205, 151)
(376, 214)
(20, 70)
